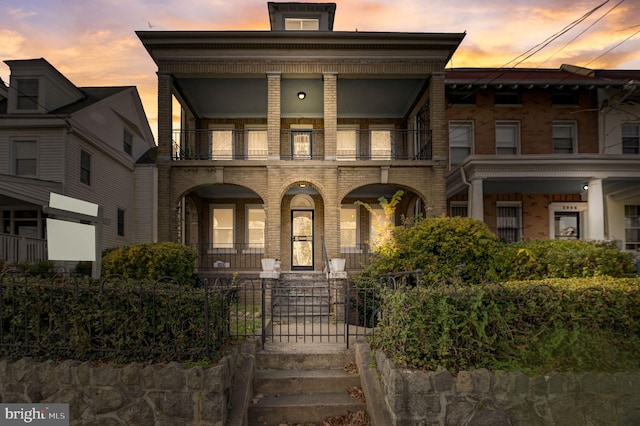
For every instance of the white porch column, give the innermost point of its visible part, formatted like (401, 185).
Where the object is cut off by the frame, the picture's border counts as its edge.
(476, 204)
(595, 210)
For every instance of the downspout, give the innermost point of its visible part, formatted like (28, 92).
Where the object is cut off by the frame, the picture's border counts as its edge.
(463, 175)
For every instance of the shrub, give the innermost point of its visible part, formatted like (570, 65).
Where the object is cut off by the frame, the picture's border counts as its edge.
(443, 248)
(116, 320)
(531, 326)
(538, 259)
(151, 262)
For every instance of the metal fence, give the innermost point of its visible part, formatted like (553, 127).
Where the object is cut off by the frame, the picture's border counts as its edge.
(74, 317)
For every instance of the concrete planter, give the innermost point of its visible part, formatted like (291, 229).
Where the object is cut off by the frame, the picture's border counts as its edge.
(337, 264)
(268, 264)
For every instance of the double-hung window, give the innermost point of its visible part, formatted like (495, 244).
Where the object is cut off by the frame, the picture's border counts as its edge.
(507, 137)
(25, 158)
(348, 228)
(27, 94)
(458, 209)
(257, 146)
(221, 144)
(255, 226)
(632, 227)
(347, 142)
(127, 141)
(631, 138)
(121, 222)
(223, 220)
(85, 167)
(564, 137)
(460, 141)
(380, 144)
(509, 221)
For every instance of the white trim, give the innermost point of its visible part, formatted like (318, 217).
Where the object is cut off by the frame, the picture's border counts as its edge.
(569, 207)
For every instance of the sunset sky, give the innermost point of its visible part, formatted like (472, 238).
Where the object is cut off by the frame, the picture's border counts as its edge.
(93, 42)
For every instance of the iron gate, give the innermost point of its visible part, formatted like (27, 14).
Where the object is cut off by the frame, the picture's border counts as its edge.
(299, 311)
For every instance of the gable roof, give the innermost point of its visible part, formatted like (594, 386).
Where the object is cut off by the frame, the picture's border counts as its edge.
(92, 96)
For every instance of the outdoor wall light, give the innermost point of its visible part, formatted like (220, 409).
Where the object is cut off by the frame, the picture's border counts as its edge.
(585, 187)
(301, 95)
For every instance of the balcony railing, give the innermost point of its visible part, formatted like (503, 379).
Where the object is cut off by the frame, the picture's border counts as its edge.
(302, 144)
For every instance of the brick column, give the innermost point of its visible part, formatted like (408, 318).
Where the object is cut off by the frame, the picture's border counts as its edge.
(440, 146)
(273, 115)
(166, 214)
(330, 115)
(272, 204)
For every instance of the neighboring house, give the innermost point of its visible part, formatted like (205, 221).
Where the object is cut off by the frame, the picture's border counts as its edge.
(82, 142)
(546, 153)
(282, 131)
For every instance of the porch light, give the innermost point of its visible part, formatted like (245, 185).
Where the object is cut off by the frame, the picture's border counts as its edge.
(301, 95)
(585, 187)
(302, 185)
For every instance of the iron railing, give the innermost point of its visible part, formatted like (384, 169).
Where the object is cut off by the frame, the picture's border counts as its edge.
(19, 249)
(74, 317)
(356, 257)
(302, 144)
(230, 257)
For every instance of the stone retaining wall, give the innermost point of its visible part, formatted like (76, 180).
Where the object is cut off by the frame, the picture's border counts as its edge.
(133, 394)
(482, 397)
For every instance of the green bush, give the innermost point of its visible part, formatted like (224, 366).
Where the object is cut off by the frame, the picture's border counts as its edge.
(116, 320)
(151, 262)
(538, 259)
(444, 248)
(530, 326)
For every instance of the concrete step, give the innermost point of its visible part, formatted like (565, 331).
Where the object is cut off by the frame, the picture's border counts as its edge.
(303, 384)
(301, 408)
(306, 357)
(272, 382)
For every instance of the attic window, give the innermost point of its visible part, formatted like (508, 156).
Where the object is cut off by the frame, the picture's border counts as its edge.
(27, 94)
(301, 24)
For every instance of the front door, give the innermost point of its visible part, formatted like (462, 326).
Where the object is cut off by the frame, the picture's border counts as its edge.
(302, 240)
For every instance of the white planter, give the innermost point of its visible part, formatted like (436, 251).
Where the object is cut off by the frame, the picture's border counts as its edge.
(268, 264)
(337, 264)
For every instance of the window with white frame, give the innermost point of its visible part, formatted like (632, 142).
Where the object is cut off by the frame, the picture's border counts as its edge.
(509, 221)
(507, 137)
(257, 146)
(25, 158)
(346, 146)
(223, 220)
(27, 94)
(632, 227)
(564, 138)
(221, 144)
(631, 138)
(302, 142)
(348, 228)
(301, 24)
(460, 141)
(458, 209)
(256, 218)
(380, 144)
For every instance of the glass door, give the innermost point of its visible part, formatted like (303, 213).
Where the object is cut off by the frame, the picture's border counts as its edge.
(302, 239)
(301, 144)
(567, 225)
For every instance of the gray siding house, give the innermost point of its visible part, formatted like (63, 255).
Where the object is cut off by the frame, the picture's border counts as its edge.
(90, 143)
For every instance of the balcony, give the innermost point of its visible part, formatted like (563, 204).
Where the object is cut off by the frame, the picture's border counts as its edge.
(302, 144)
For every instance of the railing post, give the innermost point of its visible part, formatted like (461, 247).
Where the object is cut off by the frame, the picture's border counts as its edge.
(207, 337)
(264, 311)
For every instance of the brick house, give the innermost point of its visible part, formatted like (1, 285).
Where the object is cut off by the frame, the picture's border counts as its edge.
(281, 131)
(546, 153)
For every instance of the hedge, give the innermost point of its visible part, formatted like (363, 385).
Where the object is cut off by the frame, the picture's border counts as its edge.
(529, 326)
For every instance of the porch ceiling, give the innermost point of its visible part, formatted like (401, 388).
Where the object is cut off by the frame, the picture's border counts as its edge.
(229, 97)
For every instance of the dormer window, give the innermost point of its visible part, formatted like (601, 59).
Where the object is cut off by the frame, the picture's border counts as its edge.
(27, 94)
(301, 24)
